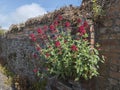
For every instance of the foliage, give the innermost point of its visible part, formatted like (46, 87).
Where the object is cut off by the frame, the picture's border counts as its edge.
(40, 85)
(67, 56)
(5, 70)
(2, 32)
(97, 9)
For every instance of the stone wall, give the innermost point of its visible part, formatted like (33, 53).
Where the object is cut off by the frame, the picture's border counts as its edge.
(17, 50)
(108, 35)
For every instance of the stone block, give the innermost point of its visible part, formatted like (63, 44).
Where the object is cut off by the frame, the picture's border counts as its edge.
(114, 61)
(108, 23)
(113, 81)
(115, 75)
(117, 22)
(116, 30)
(113, 67)
(103, 31)
(102, 83)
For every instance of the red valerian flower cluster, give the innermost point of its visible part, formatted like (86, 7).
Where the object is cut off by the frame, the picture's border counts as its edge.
(45, 28)
(60, 17)
(74, 48)
(67, 24)
(38, 48)
(57, 44)
(47, 55)
(85, 24)
(35, 70)
(52, 27)
(40, 31)
(82, 30)
(56, 23)
(79, 21)
(32, 37)
(35, 55)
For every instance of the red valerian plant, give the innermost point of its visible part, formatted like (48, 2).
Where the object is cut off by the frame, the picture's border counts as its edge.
(74, 48)
(32, 37)
(57, 43)
(67, 56)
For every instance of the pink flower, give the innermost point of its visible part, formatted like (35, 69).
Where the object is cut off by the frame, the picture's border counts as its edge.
(40, 31)
(60, 17)
(47, 55)
(35, 70)
(57, 43)
(38, 48)
(79, 20)
(45, 28)
(81, 30)
(74, 48)
(56, 23)
(32, 37)
(35, 55)
(85, 24)
(67, 24)
(52, 27)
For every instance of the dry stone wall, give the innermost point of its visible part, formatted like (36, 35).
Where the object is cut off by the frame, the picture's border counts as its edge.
(17, 49)
(108, 35)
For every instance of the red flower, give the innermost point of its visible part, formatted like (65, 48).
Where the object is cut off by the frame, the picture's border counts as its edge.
(57, 43)
(60, 17)
(38, 48)
(79, 20)
(67, 24)
(81, 30)
(52, 27)
(56, 23)
(35, 55)
(47, 54)
(35, 70)
(45, 28)
(74, 48)
(40, 31)
(32, 37)
(85, 24)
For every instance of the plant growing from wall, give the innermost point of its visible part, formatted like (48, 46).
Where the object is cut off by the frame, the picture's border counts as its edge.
(5, 70)
(69, 57)
(2, 31)
(97, 9)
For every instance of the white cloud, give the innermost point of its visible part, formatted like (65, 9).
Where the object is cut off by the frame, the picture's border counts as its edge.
(21, 14)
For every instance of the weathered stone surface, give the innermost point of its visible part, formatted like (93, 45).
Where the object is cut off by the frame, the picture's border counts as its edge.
(18, 49)
(113, 81)
(108, 23)
(118, 22)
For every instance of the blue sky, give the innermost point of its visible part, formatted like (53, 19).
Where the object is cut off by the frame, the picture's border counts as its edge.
(17, 11)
